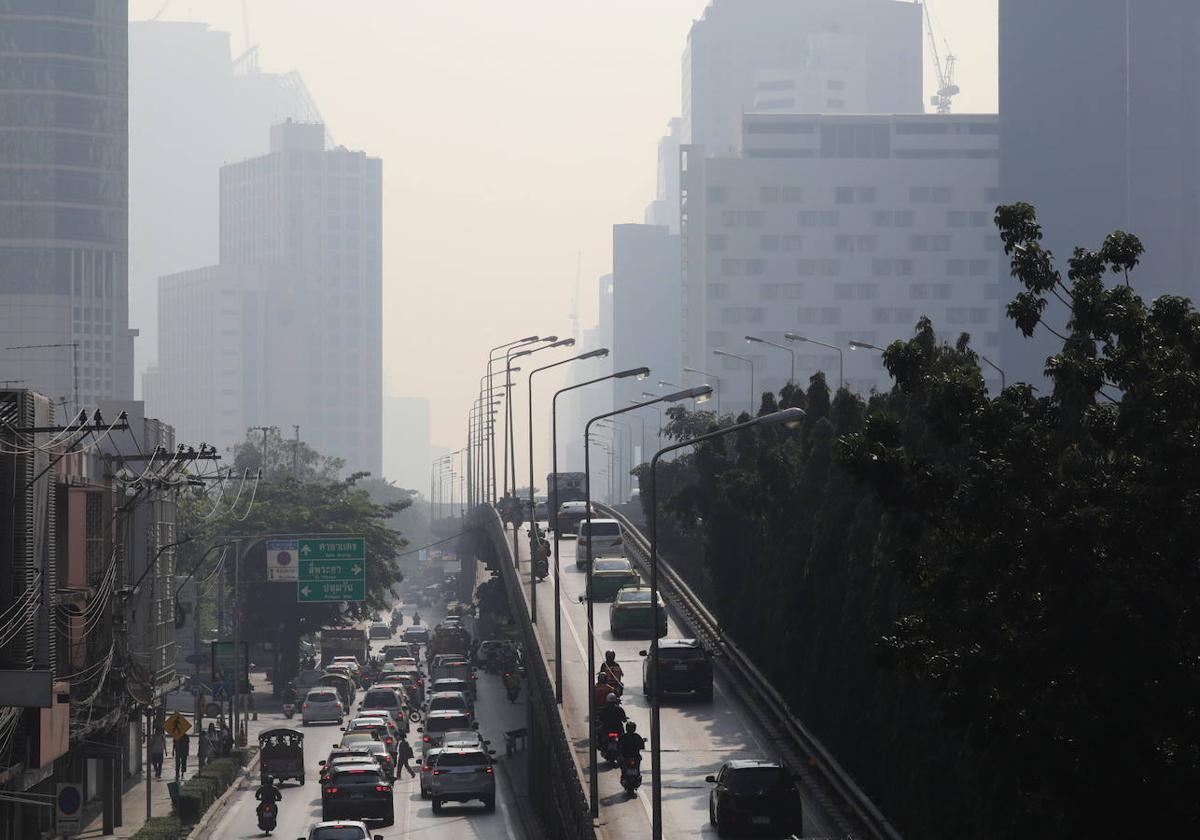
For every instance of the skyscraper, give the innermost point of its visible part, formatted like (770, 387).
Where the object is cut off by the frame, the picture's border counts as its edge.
(869, 50)
(1100, 130)
(64, 303)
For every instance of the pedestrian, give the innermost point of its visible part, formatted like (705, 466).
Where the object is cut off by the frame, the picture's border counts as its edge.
(158, 746)
(203, 749)
(404, 754)
(183, 745)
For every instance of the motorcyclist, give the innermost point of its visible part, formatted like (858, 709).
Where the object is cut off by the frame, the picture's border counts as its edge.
(601, 689)
(611, 716)
(612, 669)
(289, 693)
(416, 618)
(631, 742)
(267, 792)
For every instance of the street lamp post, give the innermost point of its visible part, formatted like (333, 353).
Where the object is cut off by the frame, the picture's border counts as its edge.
(701, 392)
(529, 339)
(716, 387)
(535, 544)
(753, 339)
(747, 361)
(639, 373)
(841, 355)
(787, 416)
(996, 368)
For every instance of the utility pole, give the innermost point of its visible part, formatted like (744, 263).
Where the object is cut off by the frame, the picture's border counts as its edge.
(295, 452)
(264, 430)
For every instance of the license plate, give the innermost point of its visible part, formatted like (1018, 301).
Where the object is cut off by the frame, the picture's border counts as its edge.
(356, 796)
(679, 667)
(760, 820)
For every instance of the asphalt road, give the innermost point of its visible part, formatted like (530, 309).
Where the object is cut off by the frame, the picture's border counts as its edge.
(301, 805)
(697, 736)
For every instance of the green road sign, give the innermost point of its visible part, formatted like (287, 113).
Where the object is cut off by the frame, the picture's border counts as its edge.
(332, 569)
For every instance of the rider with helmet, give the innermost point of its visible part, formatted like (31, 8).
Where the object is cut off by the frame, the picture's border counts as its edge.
(610, 716)
(602, 689)
(612, 670)
(631, 742)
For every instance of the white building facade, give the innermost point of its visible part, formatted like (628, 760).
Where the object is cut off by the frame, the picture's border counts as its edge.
(837, 228)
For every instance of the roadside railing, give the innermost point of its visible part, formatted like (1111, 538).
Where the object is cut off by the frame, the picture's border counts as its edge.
(827, 780)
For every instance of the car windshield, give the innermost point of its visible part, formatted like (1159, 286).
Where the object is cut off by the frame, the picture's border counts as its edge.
(680, 653)
(359, 736)
(601, 529)
(611, 566)
(461, 759)
(338, 832)
(637, 596)
(455, 737)
(754, 780)
(381, 700)
(439, 703)
(357, 775)
(322, 697)
(444, 724)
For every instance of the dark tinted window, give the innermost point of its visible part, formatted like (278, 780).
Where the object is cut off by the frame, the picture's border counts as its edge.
(443, 724)
(680, 653)
(357, 776)
(463, 759)
(753, 780)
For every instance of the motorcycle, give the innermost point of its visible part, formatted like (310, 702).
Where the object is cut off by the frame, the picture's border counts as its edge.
(268, 813)
(631, 774)
(289, 710)
(611, 747)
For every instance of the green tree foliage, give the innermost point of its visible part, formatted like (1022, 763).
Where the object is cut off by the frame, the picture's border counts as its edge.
(317, 502)
(986, 606)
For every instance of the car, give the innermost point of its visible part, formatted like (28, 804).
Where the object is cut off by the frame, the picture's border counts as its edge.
(604, 537)
(453, 684)
(403, 663)
(437, 724)
(403, 650)
(683, 665)
(358, 792)
(417, 633)
(464, 739)
(340, 830)
(350, 663)
(609, 574)
(321, 704)
(752, 794)
(426, 772)
(631, 612)
(497, 649)
(569, 515)
(385, 729)
(346, 758)
(383, 754)
(308, 679)
(379, 630)
(448, 700)
(463, 671)
(461, 776)
(385, 697)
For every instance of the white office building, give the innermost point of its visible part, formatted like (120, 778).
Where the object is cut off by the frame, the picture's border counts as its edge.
(837, 228)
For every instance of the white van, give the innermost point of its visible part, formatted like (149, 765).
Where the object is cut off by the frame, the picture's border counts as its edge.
(604, 536)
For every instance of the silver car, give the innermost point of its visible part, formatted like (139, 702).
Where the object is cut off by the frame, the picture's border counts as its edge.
(437, 724)
(461, 776)
(321, 704)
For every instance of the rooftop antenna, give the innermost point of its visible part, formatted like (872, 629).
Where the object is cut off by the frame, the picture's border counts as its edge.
(947, 89)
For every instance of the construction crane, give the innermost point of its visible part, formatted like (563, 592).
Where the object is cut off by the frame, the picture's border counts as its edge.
(947, 90)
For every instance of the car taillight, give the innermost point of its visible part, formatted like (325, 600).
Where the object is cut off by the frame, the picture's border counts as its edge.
(331, 790)
(487, 770)
(437, 772)
(389, 740)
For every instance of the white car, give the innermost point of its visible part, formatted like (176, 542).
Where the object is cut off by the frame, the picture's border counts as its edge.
(340, 830)
(321, 704)
(349, 662)
(603, 535)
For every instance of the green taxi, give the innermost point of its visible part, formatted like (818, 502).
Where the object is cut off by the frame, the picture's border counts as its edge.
(610, 574)
(631, 612)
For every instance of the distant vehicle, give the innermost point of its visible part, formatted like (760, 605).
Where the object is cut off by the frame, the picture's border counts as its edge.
(461, 776)
(437, 724)
(683, 665)
(387, 698)
(385, 730)
(753, 794)
(343, 641)
(569, 515)
(609, 575)
(341, 830)
(564, 487)
(417, 633)
(358, 792)
(631, 612)
(450, 638)
(339, 757)
(541, 510)
(449, 701)
(604, 537)
(451, 684)
(322, 704)
(380, 631)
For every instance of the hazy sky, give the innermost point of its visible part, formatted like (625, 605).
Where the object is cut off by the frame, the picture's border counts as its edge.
(513, 136)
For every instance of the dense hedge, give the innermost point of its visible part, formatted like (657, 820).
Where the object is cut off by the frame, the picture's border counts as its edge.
(198, 793)
(159, 828)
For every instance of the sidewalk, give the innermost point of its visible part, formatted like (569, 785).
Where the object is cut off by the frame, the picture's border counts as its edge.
(133, 801)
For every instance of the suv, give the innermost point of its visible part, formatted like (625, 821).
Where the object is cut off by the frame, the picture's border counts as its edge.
(603, 535)
(440, 701)
(437, 724)
(380, 631)
(570, 514)
(385, 698)
(683, 665)
(357, 792)
(462, 775)
(321, 704)
(753, 794)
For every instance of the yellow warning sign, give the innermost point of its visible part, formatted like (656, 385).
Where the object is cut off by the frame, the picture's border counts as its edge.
(176, 725)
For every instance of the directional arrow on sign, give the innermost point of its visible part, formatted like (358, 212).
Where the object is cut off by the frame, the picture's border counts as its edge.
(357, 569)
(306, 550)
(305, 591)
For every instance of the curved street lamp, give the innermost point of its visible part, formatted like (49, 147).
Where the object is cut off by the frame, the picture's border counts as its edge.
(754, 339)
(841, 355)
(716, 387)
(747, 361)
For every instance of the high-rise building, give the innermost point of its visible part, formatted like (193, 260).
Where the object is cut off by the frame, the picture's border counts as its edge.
(64, 308)
(406, 452)
(837, 228)
(193, 107)
(1100, 130)
(287, 328)
(834, 52)
(664, 209)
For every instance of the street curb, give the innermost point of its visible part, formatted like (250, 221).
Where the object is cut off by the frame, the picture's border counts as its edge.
(219, 805)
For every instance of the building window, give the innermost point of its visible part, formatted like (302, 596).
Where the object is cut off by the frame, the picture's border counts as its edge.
(732, 268)
(830, 268)
(956, 268)
(768, 242)
(732, 315)
(980, 268)
(843, 291)
(919, 291)
(941, 291)
(768, 195)
(756, 218)
(756, 267)
(806, 268)
(881, 218)
(941, 242)
(793, 291)
(93, 536)
(718, 291)
(731, 218)
(754, 314)
(956, 218)
(979, 218)
(881, 268)
(717, 338)
(717, 195)
(904, 218)
(769, 291)
(793, 242)
(918, 242)
(792, 195)
(835, 84)
(716, 241)
(844, 195)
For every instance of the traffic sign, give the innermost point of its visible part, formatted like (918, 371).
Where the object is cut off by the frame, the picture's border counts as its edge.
(222, 664)
(220, 691)
(281, 560)
(331, 569)
(176, 725)
(68, 806)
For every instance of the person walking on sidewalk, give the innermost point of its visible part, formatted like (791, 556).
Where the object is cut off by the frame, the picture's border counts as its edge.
(203, 749)
(404, 754)
(183, 745)
(158, 747)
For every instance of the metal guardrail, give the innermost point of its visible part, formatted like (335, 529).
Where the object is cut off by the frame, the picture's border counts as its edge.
(827, 780)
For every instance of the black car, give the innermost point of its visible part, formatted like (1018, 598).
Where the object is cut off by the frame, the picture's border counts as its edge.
(754, 795)
(357, 792)
(683, 665)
